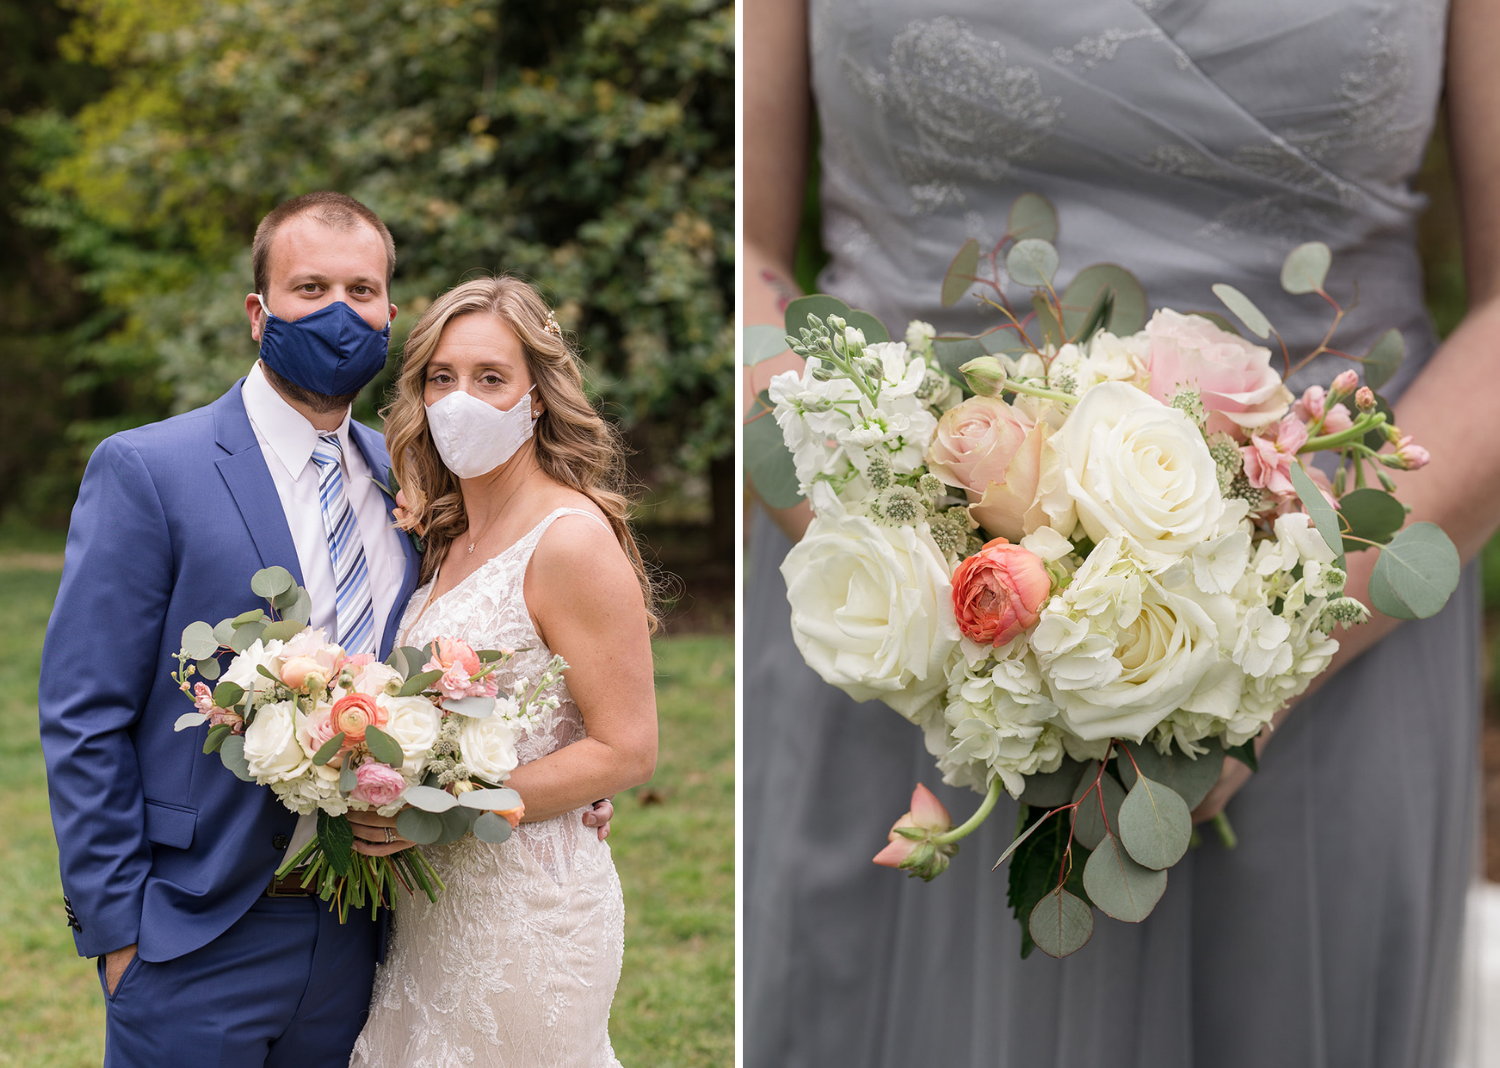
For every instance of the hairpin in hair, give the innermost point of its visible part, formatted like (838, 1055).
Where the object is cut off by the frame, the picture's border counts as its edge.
(552, 327)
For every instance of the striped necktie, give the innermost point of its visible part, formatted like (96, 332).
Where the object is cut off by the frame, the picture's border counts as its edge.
(356, 613)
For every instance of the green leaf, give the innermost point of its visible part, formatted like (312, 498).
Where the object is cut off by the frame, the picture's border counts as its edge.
(208, 669)
(216, 736)
(224, 632)
(1190, 778)
(473, 707)
(415, 657)
(1155, 827)
(1053, 788)
(282, 630)
(1031, 262)
(1384, 358)
(819, 304)
(419, 682)
(491, 828)
(1093, 322)
(383, 747)
(1032, 215)
(421, 827)
(960, 275)
(1322, 513)
(429, 799)
(337, 835)
(270, 581)
(232, 753)
(300, 610)
(951, 353)
(348, 779)
(1306, 267)
(1245, 754)
(228, 694)
(1034, 868)
(255, 615)
(198, 641)
(1121, 888)
(768, 462)
(1371, 514)
(1046, 320)
(1015, 844)
(1416, 573)
(1244, 308)
(1060, 923)
(1127, 299)
(761, 342)
(188, 720)
(328, 749)
(397, 662)
(1089, 827)
(456, 823)
(246, 635)
(503, 798)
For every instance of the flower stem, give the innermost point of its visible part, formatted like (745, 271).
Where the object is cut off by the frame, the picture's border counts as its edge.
(971, 825)
(1013, 386)
(1226, 832)
(1362, 426)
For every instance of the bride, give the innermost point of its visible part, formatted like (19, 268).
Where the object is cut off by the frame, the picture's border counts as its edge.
(509, 474)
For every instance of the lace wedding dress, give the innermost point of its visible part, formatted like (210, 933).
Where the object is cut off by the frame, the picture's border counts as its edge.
(516, 963)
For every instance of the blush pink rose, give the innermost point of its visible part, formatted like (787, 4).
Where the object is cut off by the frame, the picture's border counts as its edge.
(993, 451)
(1270, 455)
(1241, 391)
(296, 671)
(316, 728)
(353, 714)
(998, 592)
(378, 785)
(927, 813)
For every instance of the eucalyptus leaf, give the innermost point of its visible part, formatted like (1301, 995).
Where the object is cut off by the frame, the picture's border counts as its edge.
(491, 828)
(1371, 514)
(189, 719)
(397, 663)
(1060, 924)
(254, 615)
(1244, 309)
(818, 304)
(500, 799)
(1127, 299)
(768, 462)
(761, 342)
(286, 598)
(228, 694)
(960, 275)
(1121, 888)
(429, 799)
(328, 749)
(1416, 573)
(873, 329)
(208, 668)
(198, 641)
(456, 823)
(1155, 826)
(336, 834)
(246, 635)
(1306, 268)
(1093, 322)
(1053, 788)
(1190, 777)
(1089, 826)
(300, 610)
(348, 779)
(1032, 215)
(1034, 869)
(1002, 341)
(1384, 358)
(1032, 262)
(282, 630)
(1322, 513)
(270, 581)
(1046, 320)
(415, 657)
(216, 736)
(224, 632)
(419, 682)
(418, 826)
(473, 707)
(232, 753)
(383, 747)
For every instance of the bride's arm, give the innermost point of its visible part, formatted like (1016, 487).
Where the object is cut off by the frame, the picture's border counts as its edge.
(588, 609)
(1449, 408)
(778, 112)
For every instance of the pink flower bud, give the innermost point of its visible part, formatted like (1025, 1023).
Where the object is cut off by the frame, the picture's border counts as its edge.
(1413, 456)
(203, 698)
(1345, 383)
(1311, 407)
(1365, 399)
(927, 814)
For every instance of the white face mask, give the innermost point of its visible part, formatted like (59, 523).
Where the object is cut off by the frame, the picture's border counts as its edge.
(473, 437)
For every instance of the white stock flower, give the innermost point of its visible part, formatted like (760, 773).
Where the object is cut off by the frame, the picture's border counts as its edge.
(488, 747)
(413, 722)
(872, 608)
(919, 335)
(1107, 359)
(1124, 465)
(271, 746)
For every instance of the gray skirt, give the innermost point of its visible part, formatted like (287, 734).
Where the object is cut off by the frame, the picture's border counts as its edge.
(1329, 937)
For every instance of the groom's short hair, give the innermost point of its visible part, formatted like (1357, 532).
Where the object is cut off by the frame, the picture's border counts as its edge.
(334, 210)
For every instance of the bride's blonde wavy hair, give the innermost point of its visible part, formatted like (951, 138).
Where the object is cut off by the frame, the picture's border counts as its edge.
(574, 445)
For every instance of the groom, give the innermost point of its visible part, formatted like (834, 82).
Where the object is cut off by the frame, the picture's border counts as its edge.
(167, 859)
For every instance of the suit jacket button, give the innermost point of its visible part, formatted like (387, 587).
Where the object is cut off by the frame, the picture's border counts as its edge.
(281, 841)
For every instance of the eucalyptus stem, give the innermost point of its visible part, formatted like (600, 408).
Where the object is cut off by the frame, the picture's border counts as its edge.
(1013, 386)
(970, 825)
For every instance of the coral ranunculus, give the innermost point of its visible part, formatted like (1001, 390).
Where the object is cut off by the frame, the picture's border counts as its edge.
(998, 592)
(353, 714)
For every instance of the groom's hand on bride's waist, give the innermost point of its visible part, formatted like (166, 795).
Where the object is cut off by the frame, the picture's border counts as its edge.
(599, 816)
(376, 835)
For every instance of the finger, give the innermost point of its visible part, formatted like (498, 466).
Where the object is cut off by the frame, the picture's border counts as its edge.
(382, 849)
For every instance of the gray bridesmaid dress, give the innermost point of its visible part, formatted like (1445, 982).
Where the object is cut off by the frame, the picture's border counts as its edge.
(1194, 141)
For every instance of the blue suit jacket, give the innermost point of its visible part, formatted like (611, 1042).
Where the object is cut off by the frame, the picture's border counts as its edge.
(159, 844)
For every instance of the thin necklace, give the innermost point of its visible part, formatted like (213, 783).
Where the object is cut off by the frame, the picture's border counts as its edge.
(498, 513)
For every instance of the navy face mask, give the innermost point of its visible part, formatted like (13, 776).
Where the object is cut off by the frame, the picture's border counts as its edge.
(333, 351)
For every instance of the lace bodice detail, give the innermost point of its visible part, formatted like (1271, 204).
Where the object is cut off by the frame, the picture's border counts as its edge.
(516, 963)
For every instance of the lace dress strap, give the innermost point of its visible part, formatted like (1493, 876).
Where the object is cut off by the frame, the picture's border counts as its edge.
(531, 540)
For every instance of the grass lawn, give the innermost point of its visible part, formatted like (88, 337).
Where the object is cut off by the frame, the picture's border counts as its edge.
(673, 843)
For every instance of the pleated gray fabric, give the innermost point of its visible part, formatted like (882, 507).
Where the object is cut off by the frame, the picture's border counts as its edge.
(1194, 141)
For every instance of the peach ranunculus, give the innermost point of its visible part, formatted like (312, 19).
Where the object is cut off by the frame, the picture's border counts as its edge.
(377, 785)
(927, 815)
(998, 592)
(299, 669)
(1240, 389)
(993, 450)
(1270, 455)
(459, 663)
(353, 713)
(513, 816)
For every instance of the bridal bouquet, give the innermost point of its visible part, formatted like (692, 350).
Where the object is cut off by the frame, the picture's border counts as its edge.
(425, 736)
(1087, 553)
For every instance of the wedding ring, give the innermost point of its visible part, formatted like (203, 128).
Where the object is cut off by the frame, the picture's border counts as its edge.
(390, 835)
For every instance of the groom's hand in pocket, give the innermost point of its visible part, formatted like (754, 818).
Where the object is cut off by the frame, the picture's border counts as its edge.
(375, 835)
(599, 816)
(115, 963)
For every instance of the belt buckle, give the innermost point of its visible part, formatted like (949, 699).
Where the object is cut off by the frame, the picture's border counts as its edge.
(290, 885)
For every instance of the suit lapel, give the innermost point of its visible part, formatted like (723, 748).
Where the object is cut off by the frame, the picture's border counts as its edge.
(372, 448)
(249, 480)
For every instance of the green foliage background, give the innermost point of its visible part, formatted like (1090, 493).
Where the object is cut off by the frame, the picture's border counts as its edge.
(584, 144)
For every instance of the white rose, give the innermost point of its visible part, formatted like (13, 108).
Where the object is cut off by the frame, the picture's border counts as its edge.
(271, 746)
(872, 608)
(242, 670)
(488, 747)
(1120, 651)
(1125, 465)
(413, 723)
